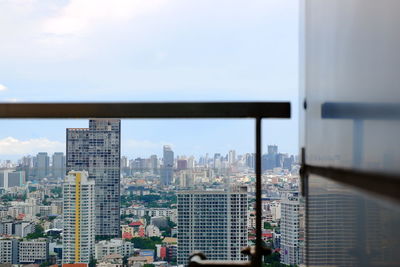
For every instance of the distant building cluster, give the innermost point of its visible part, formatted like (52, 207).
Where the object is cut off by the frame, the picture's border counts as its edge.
(92, 206)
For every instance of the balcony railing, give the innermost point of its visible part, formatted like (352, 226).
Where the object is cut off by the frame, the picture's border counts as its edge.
(256, 110)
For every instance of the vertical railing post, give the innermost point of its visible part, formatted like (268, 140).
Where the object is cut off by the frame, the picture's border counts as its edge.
(259, 243)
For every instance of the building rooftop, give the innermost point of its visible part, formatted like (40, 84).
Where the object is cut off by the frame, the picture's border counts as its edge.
(170, 240)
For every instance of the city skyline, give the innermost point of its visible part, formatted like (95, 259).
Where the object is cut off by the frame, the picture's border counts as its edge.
(210, 156)
(144, 137)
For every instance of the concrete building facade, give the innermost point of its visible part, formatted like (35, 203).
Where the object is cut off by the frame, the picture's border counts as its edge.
(214, 222)
(79, 217)
(97, 149)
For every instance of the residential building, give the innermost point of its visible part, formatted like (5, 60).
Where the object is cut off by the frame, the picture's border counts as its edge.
(42, 166)
(152, 230)
(79, 217)
(11, 178)
(154, 164)
(97, 150)
(214, 222)
(33, 251)
(290, 230)
(58, 165)
(167, 170)
(114, 260)
(114, 246)
(9, 251)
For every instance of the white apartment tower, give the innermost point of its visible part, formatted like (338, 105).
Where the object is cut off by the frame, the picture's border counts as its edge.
(79, 217)
(213, 222)
(290, 230)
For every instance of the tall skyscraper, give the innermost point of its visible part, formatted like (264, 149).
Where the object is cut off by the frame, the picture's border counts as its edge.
(58, 165)
(10, 178)
(154, 164)
(217, 161)
(273, 149)
(181, 164)
(231, 157)
(125, 170)
(42, 165)
(213, 222)
(26, 165)
(97, 149)
(290, 230)
(79, 217)
(168, 166)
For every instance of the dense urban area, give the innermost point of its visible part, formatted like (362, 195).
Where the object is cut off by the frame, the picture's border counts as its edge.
(93, 206)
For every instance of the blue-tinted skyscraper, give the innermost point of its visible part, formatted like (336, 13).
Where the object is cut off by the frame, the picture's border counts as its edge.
(58, 167)
(167, 170)
(42, 165)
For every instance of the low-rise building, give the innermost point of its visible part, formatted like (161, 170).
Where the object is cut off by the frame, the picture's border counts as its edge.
(152, 230)
(33, 251)
(138, 261)
(114, 246)
(113, 260)
(8, 251)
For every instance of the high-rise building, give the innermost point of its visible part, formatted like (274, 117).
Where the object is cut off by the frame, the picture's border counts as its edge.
(79, 217)
(9, 251)
(58, 165)
(97, 149)
(124, 162)
(217, 161)
(181, 164)
(273, 149)
(250, 160)
(290, 230)
(11, 178)
(213, 222)
(186, 179)
(154, 164)
(231, 157)
(167, 170)
(139, 165)
(42, 165)
(26, 165)
(124, 166)
(191, 162)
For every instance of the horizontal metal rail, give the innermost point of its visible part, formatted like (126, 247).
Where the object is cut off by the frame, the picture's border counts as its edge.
(384, 185)
(360, 111)
(146, 110)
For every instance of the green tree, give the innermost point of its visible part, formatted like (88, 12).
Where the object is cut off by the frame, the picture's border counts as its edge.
(92, 262)
(57, 191)
(267, 225)
(39, 232)
(146, 243)
(32, 189)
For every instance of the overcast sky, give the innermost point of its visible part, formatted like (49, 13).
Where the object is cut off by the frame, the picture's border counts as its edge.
(149, 50)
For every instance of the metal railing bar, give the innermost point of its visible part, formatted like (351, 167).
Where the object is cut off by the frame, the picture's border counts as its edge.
(360, 111)
(384, 185)
(146, 110)
(259, 242)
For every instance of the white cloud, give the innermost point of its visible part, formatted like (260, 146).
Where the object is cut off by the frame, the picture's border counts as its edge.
(14, 146)
(3, 87)
(79, 16)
